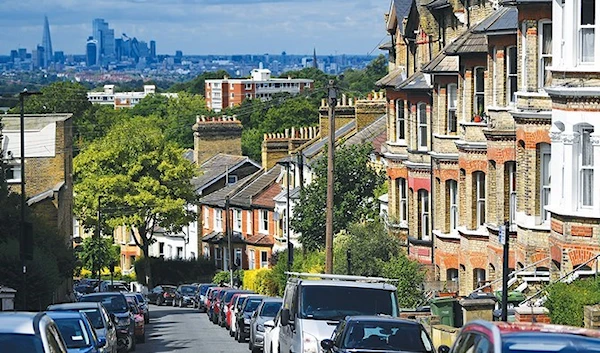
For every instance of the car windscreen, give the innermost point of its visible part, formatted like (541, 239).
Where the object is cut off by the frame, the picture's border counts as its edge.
(187, 290)
(337, 302)
(252, 304)
(204, 288)
(95, 317)
(548, 342)
(140, 297)
(19, 343)
(240, 302)
(388, 336)
(73, 332)
(227, 297)
(114, 303)
(169, 289)
(270, 309)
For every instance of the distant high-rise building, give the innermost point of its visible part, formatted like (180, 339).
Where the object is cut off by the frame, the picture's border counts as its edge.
(315, 64)
(59, 57)
(106, 40)
(22, 54)
(47, 43)
(14, 55)
(178, 56)
(38, 58)
(119, 43)
(153, 49)
(91, 52)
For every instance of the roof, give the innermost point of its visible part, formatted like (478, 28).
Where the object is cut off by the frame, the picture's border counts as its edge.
(513, 327)
(387, 45)
(282, 196)
(370, 133)
(48, 194)
(393, 78)
(260, 239)
(64, 314)
(385, 318)
(402, 8)
(417, 81)
(438, 4)
(217, 198)
(316, 147)
(442, 63)
(468, 42)
(12, 122)
(384, 286)
(19, 322)
(244, 196)
(217, 166)
(216, 237)
(505, 19)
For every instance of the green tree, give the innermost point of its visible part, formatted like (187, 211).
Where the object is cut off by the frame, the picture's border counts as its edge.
(410, 275)
(152, 104)
(142, 178)
(565, 301)
(196, 85)
(321, 79)
(59, 97)
(98, 253)
(181, 115)
(355, 182)
(360, 82)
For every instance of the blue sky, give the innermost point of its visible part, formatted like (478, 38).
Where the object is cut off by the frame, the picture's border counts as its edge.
(203, 26)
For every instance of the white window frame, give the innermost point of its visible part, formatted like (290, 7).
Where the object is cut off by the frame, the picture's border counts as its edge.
(237, 220)
(218, 219)
(206, 252)
(232, 179)
(511, 75)
(265, 263)
(206, 211)
(251, 259)
(582, 27)
(16, 171)
(403, 200)
(544, 58)
(586, 168)
(400, 121)
(512, 192)
(263, 221)
(424, 213)
(422, 133)
(453, 201)
(248, 86)
(452, 127)
(478, 91)
(249, 222)
(480, 197)
(237, 257)
(545, 174)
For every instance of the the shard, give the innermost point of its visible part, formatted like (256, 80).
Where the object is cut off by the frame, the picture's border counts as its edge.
(47, 43)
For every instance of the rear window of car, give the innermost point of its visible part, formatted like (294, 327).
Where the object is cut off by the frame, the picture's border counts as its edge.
(548, 342)
(95, 317)
(140, 298)
(204, 288)
(114, 303)
(252, 304)
(270, 309)
(73, 332)
(18, 343)
(221, 294)
(169, 289)
(187, 289)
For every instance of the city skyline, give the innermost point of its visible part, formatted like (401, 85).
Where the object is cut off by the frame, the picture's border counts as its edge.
(273, 26)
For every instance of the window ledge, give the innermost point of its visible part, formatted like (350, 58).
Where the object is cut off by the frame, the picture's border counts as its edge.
(578, 68)
(452, 235)
(401, 143)
(581, 213)
(447, 137)
(472, 123)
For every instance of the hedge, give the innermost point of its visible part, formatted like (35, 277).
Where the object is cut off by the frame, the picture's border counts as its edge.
(566, 301)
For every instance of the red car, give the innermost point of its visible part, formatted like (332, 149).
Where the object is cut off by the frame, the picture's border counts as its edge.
(518, 337)
(216, 303)
(140, 325)
(211, 297)
(229, 311)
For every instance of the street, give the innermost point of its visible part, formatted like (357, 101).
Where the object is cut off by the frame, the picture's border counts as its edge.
(186, 330)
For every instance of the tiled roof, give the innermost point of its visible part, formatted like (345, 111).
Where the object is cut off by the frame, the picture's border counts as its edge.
(442, 63)
(316, 147)
(438, 4)
(416, 81)
(217, 166)
(217, 237)
(264, 199)
(243, 197)
(469, 42)
(393, 78)
(402, 10)
(217, 198)
(260, 239)
(502, 20)
(370, 133)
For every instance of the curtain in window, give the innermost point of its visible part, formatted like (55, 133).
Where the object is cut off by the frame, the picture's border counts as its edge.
(587, 44)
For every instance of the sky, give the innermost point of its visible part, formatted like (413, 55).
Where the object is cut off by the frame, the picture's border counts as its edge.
(203, 27)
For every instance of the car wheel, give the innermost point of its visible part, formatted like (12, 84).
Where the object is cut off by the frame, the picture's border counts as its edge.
(230, 333)
(159, 301)
(181, 303)
(255, 349)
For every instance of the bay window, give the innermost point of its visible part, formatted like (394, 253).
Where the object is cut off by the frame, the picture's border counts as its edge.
(422, 125)
(545, 55)
(544, 152)
(400, 130)
(452, 123)
(587, 30)
(479, 91)
(479, 184)
(586, 168)
(423, 196)
(403, 201)
(511, 74)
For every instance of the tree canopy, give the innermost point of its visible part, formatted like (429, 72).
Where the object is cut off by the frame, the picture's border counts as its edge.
(354, 195)
(143, 181)
(196, 85)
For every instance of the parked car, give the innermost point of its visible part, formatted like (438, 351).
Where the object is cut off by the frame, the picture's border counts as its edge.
(271, 340)
(378, 334)
(163, 294)
(229, 313)
(244, 315)
(140, 324)
(116, 304)
(485, 336)
(200, 296)
(225, 305)
(268, 308)
(77, 332)
(143, 306)
(236, 307)
(100, 319)
(113, 286)
(210, 294)
(216, 304)
(184, 295)
(212, 300)
(22, 332)
(309, 305)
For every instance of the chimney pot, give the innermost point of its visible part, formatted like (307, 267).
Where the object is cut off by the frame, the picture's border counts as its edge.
(344, 99)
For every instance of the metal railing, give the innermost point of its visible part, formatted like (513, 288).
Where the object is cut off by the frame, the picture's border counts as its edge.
(512, 274)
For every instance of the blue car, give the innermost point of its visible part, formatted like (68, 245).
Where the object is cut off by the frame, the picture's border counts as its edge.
(77, 332)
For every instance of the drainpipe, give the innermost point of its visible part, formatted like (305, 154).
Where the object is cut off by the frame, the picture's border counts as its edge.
(431, 185)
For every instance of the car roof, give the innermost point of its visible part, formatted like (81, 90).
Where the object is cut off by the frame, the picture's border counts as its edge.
(20, 322)
(272, 300)
(353, 284)
(530, 327)
(57, 315)
(74, 306)
(102, 294)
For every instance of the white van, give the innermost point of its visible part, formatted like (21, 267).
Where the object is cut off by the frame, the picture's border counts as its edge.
(313, 304)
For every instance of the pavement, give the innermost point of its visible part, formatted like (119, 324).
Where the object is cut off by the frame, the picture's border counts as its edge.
(186, 330)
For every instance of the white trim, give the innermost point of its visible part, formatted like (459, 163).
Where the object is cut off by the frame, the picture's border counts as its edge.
(422, 142)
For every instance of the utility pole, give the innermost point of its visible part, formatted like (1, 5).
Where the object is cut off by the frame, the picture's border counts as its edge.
(228, 233)
(332, 96)
(505, 241)
(26, 240)
(98, 243)
(290, 248)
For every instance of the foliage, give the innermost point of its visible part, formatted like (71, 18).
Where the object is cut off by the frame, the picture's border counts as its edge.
(321, 79)
(354, 199)
(171, 271)
(141, 178)
(181, 115)
(261, 281)
(566, 301)
(410, 275)
(59, 97)
(360, 82)
(222, 277)
(196, 85)
(309, 262)
(94, 252)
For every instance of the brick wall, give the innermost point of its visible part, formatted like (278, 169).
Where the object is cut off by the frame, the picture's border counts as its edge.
(214, 135)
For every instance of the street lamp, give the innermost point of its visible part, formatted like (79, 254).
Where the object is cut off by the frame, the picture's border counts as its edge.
(286, 162)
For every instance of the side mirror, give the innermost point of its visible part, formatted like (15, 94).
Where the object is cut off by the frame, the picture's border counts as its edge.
(269, 324)
(285, 317)
(327, 344)
(443, 349)
(101, 342)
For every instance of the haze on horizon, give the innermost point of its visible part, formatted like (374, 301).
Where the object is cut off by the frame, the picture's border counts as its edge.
(203, 27)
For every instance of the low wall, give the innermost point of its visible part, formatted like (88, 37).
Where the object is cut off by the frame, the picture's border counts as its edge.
(443, 335)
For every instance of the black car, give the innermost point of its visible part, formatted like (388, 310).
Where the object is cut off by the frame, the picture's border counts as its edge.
(378, 333)
(200, 296)
(116, 304)
(244, 316)
(163, 294)
(184, 295)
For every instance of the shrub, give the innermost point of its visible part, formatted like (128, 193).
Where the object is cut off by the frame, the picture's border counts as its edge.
(566, 301)
(223, 277)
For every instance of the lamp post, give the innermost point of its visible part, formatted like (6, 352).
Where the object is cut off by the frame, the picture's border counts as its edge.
(290, 256)
(98, 244)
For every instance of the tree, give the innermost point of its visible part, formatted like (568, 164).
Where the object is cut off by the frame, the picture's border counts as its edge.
(410, 275)
(355, 183)
(59, 97)
(181, 115)
(363, 81)
(142, 179)
(196, 86)
(98, 253)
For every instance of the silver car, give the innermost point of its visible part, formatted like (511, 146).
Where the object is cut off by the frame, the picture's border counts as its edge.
(267, 310)
(22, 332)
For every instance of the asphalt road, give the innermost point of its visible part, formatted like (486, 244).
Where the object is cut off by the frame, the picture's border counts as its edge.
(184, 330)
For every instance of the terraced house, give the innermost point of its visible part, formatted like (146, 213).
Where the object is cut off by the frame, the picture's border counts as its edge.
(490, 120)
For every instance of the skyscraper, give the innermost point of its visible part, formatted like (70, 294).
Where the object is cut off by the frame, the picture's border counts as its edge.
(91, 51)
(152, 49)
(106, 40)
(47, 44)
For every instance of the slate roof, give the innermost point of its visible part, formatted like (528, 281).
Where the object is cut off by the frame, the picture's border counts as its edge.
(243, 197)
(438, 4)
(416, 81)
(402, 11)
(316, 147)
(442, 63)
(215, 167)
(468, 43)
(505, 19)
(48, 194)
(282, 196)
(216, 237)
(217, 198)
(370, 133)
(392, 79)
